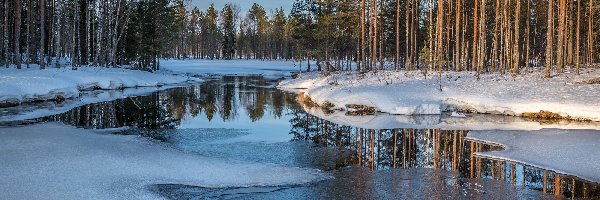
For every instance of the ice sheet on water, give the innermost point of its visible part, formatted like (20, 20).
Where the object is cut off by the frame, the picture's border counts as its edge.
(53, 161)
(446, 122)
(572, 152)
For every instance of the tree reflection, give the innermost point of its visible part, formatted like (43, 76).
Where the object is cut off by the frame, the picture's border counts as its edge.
(382, 149)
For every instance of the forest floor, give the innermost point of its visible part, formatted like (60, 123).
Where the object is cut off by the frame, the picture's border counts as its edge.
(564, 96)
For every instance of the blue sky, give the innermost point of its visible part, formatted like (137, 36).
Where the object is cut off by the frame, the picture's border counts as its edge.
(245, 4)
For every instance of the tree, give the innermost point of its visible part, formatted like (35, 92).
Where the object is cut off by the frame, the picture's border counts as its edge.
(42, 33)
(17, 50)
(228, 27)
(549, 39)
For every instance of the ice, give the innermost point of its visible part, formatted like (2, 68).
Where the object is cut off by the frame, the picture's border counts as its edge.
(446, 122)
(409, 93)
(571, 152)
(268, 69)
(27, 85)
(54, 161)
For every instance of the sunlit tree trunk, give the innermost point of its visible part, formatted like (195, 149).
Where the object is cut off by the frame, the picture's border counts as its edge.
(560, 51)
(517, 42)
(577, 37)
(590, 34)
(549, 39)
(527, 35)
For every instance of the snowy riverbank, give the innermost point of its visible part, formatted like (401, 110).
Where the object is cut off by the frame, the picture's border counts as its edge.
(28, 85)
(412, 94)
(54, 161)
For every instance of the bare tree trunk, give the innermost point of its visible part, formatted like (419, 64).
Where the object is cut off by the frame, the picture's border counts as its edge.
(528, 35)
(457, 42)
(475, 51)
(362, 37)
(496, 26)
(549, 39)
(482, 38)
(58, 49)
(590, 35)
(560, 58)
(517, 42)
(5, 35)
(415, 18)
(577, 37)
(396, 67)
(430, 38)
(374, 53)
(407, 57)
(29, 22)
(17, 33)
(42, 33)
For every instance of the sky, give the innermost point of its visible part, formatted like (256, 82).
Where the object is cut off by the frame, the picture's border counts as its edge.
(269, 5)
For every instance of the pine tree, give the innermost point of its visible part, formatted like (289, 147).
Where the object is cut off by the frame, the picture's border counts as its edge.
(228, 27)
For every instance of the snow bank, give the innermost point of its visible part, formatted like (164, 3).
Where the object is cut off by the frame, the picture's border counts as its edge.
(411, 94)
(269, 69)
(53, 161)
(571, 152)
(27, 85)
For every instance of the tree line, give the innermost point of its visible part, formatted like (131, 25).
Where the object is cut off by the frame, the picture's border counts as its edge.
(483, 36)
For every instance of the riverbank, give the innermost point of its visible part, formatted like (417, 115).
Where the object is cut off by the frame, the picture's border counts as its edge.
(565, 96)
(32, 85)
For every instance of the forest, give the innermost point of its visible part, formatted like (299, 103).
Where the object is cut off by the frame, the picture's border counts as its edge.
(482, 36)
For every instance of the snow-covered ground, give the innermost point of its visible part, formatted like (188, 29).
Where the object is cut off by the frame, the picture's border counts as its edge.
(411, 94)
(53, 161)
(563, 151)
(27, 85)
(269, 69)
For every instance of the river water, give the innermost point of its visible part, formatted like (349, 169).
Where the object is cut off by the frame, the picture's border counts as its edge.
(246, 118)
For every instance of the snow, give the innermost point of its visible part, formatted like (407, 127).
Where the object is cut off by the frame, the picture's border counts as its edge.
(269, 69)
(570, 152)
(28, 85)
(446, 122)
(409, 93)
(54, 161)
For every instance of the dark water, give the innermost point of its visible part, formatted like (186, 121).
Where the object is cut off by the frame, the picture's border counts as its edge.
(246, 118)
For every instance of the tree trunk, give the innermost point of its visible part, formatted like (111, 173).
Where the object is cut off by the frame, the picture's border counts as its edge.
(527, 35)
(496, 26)
(17, 33)
(577, 37)
(517, 42)
(560, 58)
(549, 39)
(42, 33)
(397, 60)
(590, 35)
(362, 37)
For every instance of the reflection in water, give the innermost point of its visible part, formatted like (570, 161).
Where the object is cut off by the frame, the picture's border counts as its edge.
(229, 98)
